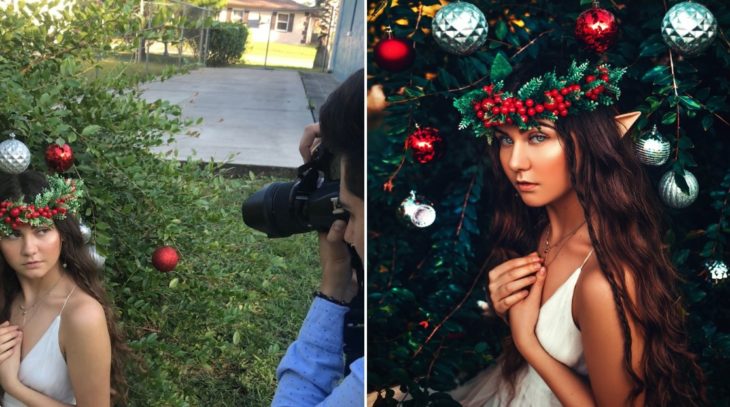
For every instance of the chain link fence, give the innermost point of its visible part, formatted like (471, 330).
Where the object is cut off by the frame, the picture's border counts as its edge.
(171, 34)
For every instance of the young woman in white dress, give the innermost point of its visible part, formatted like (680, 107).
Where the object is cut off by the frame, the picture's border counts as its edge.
(59, 344)
(579, 272)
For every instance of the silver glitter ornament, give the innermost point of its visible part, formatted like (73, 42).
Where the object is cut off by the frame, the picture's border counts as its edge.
(417, 211)
(14, 156)
(460, 28)
(689, 28)
(653, 149)
(85, 232)
(718, 270)
(672, 195)
(98, 259)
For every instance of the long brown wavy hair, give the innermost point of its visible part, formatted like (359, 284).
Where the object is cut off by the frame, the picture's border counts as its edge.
(79, 266)
(621, 211)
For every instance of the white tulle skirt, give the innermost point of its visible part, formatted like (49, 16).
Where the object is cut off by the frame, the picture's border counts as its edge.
(489, 389)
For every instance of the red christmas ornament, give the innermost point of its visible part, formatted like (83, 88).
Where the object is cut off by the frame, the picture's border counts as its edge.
(425, 144)
(597, 29)
(394, 54)
(59, 158)
(165, 258)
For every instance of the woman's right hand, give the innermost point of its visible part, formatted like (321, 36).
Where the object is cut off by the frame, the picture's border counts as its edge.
(509, 282)
(10, 335)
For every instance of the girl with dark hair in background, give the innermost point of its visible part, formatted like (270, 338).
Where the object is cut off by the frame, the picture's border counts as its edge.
(578, 268)
(59, 344)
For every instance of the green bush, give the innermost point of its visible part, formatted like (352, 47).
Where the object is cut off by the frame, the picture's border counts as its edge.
(226, 43)
(215, 327)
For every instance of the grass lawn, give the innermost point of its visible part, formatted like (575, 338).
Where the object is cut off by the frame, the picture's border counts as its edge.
(216, 328)
(280, 55)
(155, 65)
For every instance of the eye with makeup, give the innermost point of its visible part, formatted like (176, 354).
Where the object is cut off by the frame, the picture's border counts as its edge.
(537, 138)
(503, 140)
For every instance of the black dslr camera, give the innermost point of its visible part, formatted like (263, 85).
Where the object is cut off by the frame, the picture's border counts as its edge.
(311, 202)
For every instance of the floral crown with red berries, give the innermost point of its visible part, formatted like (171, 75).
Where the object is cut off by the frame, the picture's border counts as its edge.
(547, 97)
(60, 199)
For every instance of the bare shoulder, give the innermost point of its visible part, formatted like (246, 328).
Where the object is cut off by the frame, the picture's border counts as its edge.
(83, 313)
(593, 291)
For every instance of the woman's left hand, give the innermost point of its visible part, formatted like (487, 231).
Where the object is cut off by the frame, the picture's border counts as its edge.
(523, 315)
(9, 369)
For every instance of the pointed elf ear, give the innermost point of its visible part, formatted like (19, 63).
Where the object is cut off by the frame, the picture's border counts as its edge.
(625, 121)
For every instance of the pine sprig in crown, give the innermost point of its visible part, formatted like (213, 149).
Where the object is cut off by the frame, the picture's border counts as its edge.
(60, 199)
(544, 97)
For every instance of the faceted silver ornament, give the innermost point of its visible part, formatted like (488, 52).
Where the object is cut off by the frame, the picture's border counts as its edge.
(85, 232)
(672, 195)
(417, 211)
(689, 28)
(98, 259)
(460, 28)
(14, 156)
(718, 270)
(653, 149)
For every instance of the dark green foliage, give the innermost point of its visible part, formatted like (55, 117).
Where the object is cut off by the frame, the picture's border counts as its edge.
(226, 43)
(425, 329)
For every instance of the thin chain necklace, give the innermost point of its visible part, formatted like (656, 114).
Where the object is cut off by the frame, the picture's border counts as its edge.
(565, 238)
(32, 308)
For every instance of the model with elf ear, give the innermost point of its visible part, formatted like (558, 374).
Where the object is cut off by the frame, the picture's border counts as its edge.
(578, 268)
(59, 344)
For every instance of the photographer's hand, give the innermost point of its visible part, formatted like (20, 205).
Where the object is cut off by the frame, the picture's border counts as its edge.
(309, 141)
(338, 277)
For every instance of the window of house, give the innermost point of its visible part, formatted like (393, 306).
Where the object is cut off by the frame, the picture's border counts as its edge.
(253, 19)
(237, 16)
(284, 22)
(223, 15)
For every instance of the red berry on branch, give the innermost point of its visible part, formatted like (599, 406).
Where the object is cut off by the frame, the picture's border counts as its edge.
(563, 113)
(564, 91)
(531, 111)
(604, 78)
(530, 103)
(504, 110)
(590, 78)
(480, 114)
(509, 120)
(495, 110)
(539, 108)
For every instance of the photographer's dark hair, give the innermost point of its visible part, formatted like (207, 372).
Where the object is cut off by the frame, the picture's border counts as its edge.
(341, 124)
(79, 266)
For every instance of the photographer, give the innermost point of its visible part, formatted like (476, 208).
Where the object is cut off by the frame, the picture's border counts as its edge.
(311, 372)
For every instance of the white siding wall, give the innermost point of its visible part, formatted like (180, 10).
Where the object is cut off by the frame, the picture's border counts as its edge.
(278, 32)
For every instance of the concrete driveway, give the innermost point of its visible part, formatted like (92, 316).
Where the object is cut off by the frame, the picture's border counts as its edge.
(255, 114)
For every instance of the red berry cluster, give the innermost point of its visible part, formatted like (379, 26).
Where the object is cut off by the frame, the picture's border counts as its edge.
(12, 214)
(556, 101)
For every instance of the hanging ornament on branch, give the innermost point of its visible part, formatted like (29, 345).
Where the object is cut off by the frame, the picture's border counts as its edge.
(718, 270)
(14, 156)
(425, 144)
(165, 258)
(596, 28)
(85, 232)
(394, 54)
(98, 259)
(417, 211)
(59, 158)
(460, 28)
(653, 148)
(689, 28)
(672, 194)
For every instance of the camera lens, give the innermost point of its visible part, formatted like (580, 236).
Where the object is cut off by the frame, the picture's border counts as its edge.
(268, 210)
